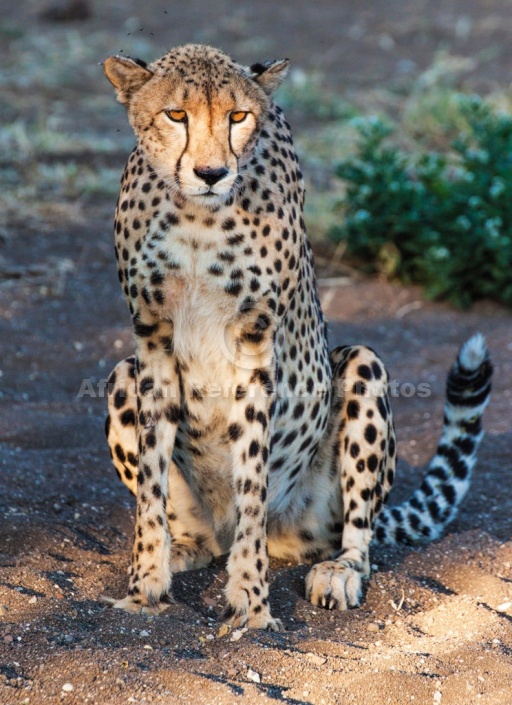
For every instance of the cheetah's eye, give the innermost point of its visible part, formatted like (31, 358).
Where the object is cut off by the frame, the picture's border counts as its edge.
(176, 115)
(238, 115)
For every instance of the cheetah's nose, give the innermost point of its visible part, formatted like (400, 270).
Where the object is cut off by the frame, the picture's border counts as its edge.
(211, 176)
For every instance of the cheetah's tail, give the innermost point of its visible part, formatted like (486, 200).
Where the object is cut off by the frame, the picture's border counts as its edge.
(434, 505)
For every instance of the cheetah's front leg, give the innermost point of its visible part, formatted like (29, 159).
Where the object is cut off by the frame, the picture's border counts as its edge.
(247, 588)
(158, 402)
(363, 432)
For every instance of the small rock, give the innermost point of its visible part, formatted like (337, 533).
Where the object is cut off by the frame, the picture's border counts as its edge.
(437, 696)
(238, 634)
(253, 676)
(372, 627)
(3, 610)
(210, 602)
(504, 606)
(315, 659)
(144, 633)
(224, 629)
(68, 687)
(8, 639)
(32, 600)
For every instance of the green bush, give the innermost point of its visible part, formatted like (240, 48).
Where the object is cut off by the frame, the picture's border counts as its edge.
(440, 220)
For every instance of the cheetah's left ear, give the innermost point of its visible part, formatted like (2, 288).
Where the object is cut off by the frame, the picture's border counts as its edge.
(269, 74)
(126, 75)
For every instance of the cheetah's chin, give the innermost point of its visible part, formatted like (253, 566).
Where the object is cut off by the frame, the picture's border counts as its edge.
(211, 200)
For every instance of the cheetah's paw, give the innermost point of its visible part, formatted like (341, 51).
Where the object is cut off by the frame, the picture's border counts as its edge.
(188, 557)
(136, 605)
(334, 585)
(259, 620)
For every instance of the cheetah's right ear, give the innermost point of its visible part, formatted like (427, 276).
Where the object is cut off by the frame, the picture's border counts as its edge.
(126, 75)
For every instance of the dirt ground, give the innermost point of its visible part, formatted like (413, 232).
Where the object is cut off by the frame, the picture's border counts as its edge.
(435, 626)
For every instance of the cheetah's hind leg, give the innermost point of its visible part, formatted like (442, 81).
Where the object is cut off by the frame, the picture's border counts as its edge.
(364, 439)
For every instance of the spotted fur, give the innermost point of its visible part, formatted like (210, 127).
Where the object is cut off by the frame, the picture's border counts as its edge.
(234, 426)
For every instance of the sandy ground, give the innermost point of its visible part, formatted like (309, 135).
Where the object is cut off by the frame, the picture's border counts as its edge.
(435, 626)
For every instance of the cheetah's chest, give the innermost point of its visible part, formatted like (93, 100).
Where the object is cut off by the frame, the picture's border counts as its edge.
(196, 281)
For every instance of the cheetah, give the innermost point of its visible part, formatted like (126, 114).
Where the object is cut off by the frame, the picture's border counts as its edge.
(235, 427)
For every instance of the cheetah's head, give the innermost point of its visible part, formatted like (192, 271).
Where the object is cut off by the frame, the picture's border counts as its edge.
(197, 115)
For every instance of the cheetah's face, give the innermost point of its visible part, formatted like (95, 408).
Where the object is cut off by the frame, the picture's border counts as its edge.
(197, 115)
